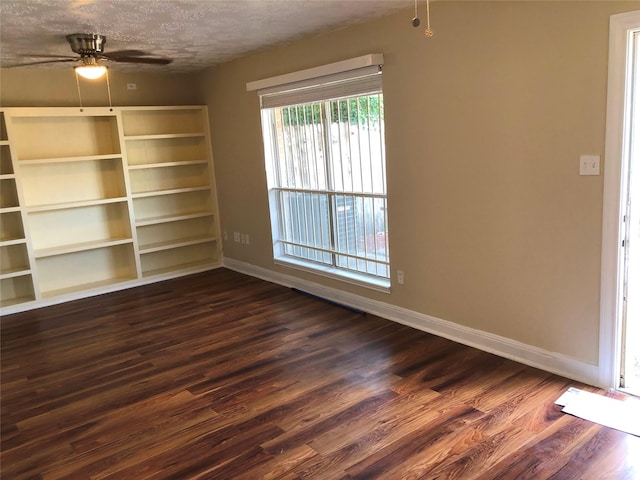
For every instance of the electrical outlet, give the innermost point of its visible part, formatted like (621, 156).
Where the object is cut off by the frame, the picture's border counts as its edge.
(243, 239)
(236, 237)
(246, 239)
(400, 277)
(224, 235)
(132, 86)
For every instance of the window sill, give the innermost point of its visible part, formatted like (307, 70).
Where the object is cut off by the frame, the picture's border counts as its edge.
(367, 281)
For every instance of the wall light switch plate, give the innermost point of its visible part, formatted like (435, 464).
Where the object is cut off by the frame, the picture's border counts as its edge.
(589, 164)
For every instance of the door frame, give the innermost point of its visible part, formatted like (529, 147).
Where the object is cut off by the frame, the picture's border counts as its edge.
(621, 27)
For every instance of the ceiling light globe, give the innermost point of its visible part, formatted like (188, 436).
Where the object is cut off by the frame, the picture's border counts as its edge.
(91, 71)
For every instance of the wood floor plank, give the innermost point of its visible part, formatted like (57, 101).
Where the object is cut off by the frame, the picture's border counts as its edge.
(223, 376)
(403, 420)
(414, 454)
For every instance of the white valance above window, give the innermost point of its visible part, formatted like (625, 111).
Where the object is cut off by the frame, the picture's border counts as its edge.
(356, 76)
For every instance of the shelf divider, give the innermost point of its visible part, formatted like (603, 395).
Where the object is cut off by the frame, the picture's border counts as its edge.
(173, 191)
(67, 205)
(80, 247)
(184, 242)
(15, 272)
(163, 135)
(172, 218)
(85, 287)
(83, 158)
(144, 166)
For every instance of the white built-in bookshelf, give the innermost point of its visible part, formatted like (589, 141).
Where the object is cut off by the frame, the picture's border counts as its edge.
(99, 199)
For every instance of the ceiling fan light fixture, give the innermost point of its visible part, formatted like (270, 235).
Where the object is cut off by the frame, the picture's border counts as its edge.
(91, 72)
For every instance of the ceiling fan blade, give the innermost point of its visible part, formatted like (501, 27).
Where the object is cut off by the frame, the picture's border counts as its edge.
(41, 62)
(147, 60)
(39, 55)
(125, 53)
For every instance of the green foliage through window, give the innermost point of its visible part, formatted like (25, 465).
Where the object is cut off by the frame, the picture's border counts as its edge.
(365, 110)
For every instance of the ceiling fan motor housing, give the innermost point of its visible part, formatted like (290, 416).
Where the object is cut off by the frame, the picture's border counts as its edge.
(87, 44)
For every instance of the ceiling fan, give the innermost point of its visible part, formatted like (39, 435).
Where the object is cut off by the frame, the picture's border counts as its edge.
(90, 47)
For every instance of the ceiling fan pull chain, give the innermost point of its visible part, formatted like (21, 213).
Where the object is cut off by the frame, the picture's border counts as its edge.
(428, 32)
(78, 84)
(415, 21)
(109, 90)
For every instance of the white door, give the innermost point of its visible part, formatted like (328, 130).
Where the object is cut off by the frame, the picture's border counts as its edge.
(619, 363)
(630, 321)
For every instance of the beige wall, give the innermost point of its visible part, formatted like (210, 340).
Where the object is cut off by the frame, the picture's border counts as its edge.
(38, 87)
(489, 219)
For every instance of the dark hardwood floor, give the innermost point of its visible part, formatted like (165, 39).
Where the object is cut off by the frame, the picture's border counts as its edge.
(223, 376)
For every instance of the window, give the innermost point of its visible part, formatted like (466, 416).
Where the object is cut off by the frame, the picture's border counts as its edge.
(325, 160)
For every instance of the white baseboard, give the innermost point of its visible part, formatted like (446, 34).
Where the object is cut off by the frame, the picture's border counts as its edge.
(504, 347)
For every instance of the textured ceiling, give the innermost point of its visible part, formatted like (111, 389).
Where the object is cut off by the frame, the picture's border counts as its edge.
(195, 33)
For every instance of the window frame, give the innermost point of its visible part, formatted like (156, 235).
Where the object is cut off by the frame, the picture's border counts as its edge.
(276, 188)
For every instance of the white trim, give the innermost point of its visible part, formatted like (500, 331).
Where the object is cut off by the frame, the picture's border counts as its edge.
(349, 276)
(504, 347)
(315, 72)
(610, 286)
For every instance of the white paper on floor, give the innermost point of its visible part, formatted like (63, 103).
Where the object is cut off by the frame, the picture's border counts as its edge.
(618, 414)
